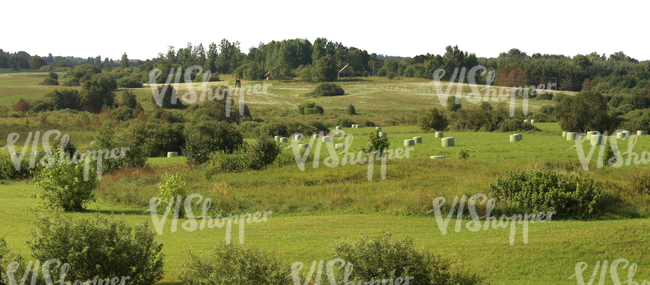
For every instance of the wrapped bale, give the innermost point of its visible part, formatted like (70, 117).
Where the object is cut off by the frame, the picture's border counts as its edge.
(172, 154)
(417, 139)
(439, 135)
(409, 142)
(448, 141)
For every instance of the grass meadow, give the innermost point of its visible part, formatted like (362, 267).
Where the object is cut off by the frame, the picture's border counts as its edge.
(320, 206)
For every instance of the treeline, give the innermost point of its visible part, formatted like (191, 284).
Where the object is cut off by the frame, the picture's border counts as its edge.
(23, 60)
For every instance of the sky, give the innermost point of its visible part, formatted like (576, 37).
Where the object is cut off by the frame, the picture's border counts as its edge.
(405, 28)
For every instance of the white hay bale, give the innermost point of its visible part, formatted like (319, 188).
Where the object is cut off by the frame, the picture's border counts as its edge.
(448, 141)
(326, 139)
(378, 128)
(590, 134)
(284, 139)
(564, 134)
(621, 135)
(338, 128)
(519, 137)
(514, 138)
(172, 154)
(339, 146)
(532, 121)
(383, 135)
(640, 133)
(409, 142)
(297, 137)
(571, 136)
(439, 135)
(277, 138)
(597, 140)
(417, 139)
(437, 157)
(526, 121)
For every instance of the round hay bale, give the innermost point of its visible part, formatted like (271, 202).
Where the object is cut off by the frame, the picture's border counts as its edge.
(326, 139)
(284, 139)
(437, 157)
(417, 139)
(378, 128)
(597, 140)
(172, 154)
(591, 133)
(277, 138)
(571, 136)
(564, 134)
(338, 128)
(409, 142)
(383, 135)
(339, 146)
(448, 141)
(526, 121)
(640, 133)
(519, 137)
(439, 135)
(621, 135)
(532, 121)
(514, 138)
(297, 137)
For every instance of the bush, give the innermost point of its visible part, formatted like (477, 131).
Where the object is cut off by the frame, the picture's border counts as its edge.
(540, 117)
(310, 108)
(559, 97)
(376, 143)
(6, 257)
(514, 124)
(545, 96)
(383, 258)
(542, 191)
(390, 75)
(351, 110)
(369, 124)
(452, 104)
(63, 186)
(485, 106)
(129, 99)
(9, 172)
(71, 82)
(344, 122)
(204, 138)
(328, 89)
(123, 113)
(433, 120)
(234, 265)
(129, 82)
(99, 247)
(172, 185)
(463, 154)
(248, 157)
(49, 81)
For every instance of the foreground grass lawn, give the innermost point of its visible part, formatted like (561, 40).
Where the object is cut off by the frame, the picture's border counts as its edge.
(549, 257)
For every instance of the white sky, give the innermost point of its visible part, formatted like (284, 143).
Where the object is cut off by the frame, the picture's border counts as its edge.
(400, 28)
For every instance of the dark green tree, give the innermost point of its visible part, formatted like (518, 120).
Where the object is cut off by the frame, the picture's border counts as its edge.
(327, 69)
(124, 62)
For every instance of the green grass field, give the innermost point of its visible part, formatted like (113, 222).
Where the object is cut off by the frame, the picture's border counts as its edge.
(320, 206)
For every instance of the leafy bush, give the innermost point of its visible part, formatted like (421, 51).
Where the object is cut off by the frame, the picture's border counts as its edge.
(452, 104)
(310, 108)
(485, 106)
(514, 124)
(344, 122)
(463, 154)
(71, 82)
(390, 75)
(129, 82)
(234, 265)
(98, 246)
(540, 117)
(172, 185)
(433, 120)
(545, 96)
(49, 81)
(204, 138)
(639, 179)
(123, 113)
(129, 99)
(248, 157)
(9, 172)
(376, 142)
(542, 191)
(7, 257)
(383, 258)
(63, 186)
(369, 124)
(351, 110)
(328, 89)
(559, 97)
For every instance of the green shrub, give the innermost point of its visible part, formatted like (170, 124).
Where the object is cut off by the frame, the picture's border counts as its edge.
(7, 257)
(542, 191)
(71, 82)
(328, 89)
(540, 117)
(8, 170)
(248, 157)
(235, 265)
(206, 137)
(49, 81)
(390, 75)
(129, 82)
(514, 124)
(559, 97)
(485, 106)
(172, 185)
(351, 110)
(463, 154)
(433, 120)
(383, 258)
(344, 122)
(123, 113)
(310, 108)
(376, 143)
(63, 186)
(99, 247)
(545, 96)
(453, 105)
(369, 124)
